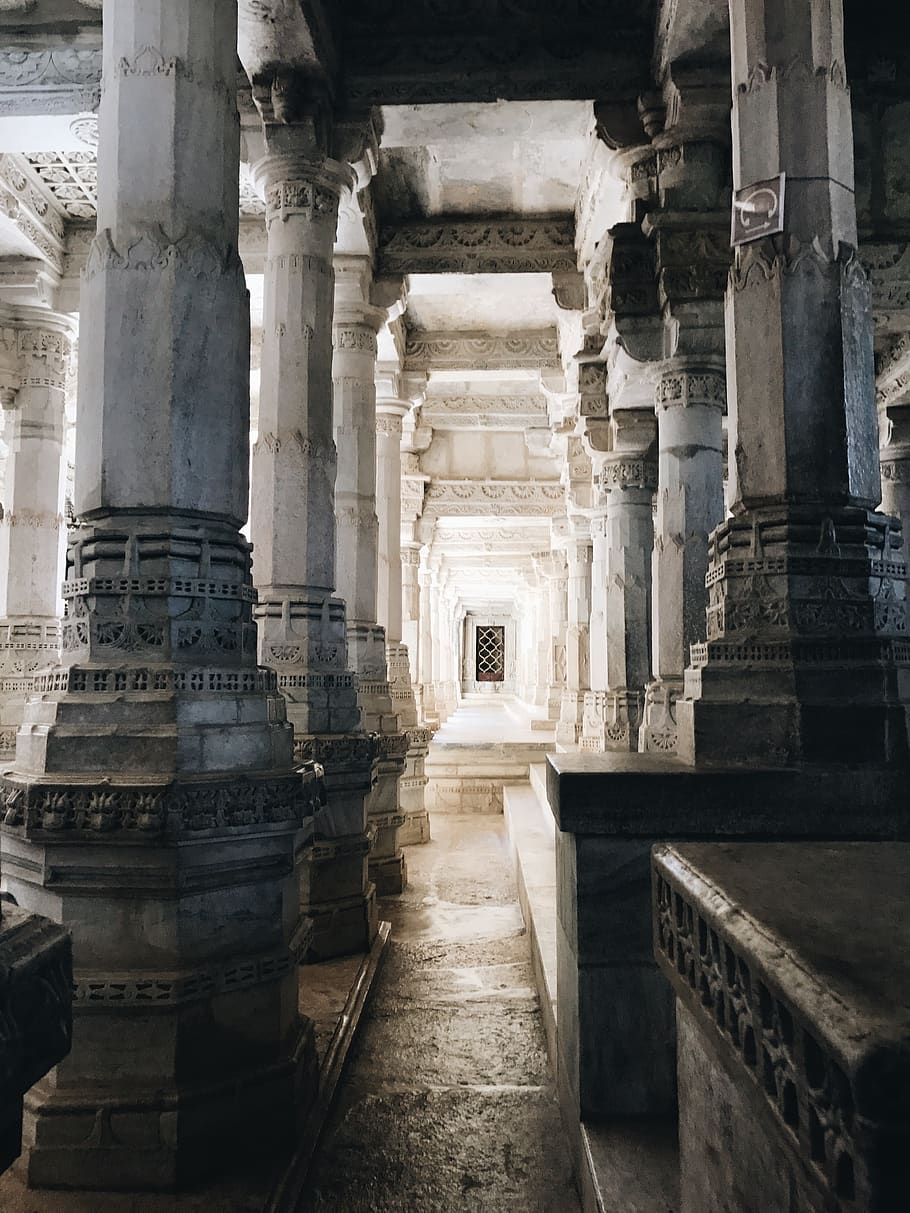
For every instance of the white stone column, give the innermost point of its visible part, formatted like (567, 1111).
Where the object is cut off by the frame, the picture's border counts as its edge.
(302, 632)
(356, 323)
(35, 352)
(578, 599)
(389, 414)
(426, 688)
(557, 574)
(613, 708)
(806, 580)
(154, 807)
(690, 504)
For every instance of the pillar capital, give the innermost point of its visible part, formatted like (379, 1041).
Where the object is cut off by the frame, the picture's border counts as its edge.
(691, 382)
(295, 184)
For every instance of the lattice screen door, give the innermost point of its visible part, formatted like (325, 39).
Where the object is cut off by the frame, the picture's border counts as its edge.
(491, 654)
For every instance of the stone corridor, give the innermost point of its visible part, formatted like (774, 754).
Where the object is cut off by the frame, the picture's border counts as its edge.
(447, 1102)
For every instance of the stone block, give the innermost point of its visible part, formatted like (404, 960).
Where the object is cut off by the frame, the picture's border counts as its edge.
(789, 963)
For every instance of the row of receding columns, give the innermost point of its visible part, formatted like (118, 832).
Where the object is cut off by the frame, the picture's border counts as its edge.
(164, 802)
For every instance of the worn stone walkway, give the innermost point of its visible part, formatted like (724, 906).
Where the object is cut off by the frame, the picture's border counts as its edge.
(447, 1103)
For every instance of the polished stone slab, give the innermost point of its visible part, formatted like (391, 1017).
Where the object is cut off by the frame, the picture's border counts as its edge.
(790, 965)
(649, 796)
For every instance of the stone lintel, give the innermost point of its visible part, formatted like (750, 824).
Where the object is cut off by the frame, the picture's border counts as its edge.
(58, 76)
(649, 796)
(428, 350)
(510, 244)
(792, 959)
(476, 57)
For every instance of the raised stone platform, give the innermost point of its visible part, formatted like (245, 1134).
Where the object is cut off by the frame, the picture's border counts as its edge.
(620, 1163)
(610, 809)
(332, 994)
(790, 966)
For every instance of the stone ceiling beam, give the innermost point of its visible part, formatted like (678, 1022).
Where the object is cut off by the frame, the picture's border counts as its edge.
(50, 76)
(511, 244)
(499, 498)
(428, 350)
(483, 50)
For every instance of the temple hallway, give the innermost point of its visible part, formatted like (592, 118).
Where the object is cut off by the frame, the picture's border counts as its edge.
(447, 1102)
(482, 720)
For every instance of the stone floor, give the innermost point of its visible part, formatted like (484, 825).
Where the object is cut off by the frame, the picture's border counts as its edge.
(447, 1102)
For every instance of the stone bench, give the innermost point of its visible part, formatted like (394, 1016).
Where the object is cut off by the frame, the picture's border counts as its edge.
(36, 1012)
(791, 968)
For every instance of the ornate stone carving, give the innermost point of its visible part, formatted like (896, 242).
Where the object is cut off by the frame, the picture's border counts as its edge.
(356, 750)
(768, 1038)
(155, 809)
(485, 412)
(476, 351)
(38, 219)
(318, 202)
(153, 250)
(495, 497)
(620, 471)
(356, 337)
(58, 80)
(686, 388)
(72, 177)
(518, 245)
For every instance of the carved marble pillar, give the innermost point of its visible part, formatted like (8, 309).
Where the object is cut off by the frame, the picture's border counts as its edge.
(35, 349)
(557, 616)
(613, 709)
(154, 807)
(805, 660)
(426, 689)
(578, 600)
(356, 323)
(302, 624)
(389, 414)
(690, 503)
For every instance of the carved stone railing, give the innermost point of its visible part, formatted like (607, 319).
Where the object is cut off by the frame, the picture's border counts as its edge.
(36, 1012)
(789, 962)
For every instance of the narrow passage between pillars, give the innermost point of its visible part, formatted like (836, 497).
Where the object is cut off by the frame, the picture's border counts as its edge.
(447, 1102)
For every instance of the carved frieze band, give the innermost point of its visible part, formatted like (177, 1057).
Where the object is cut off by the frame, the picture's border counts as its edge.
(473, 351)
(150, 990)
(516, 245)
(59, 80)
(485, 412)
(358, 338)
(174, 808)
(687, 388)
(315, 202)
(151, 249)
(628, 473)
(497, 497)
